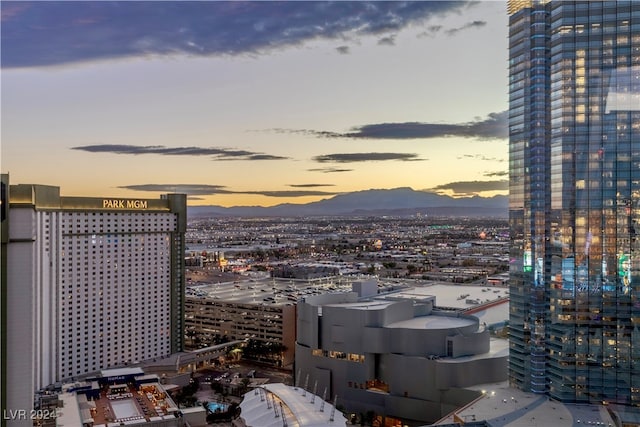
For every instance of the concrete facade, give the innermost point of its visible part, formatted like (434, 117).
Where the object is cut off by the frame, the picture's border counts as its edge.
(394, 356)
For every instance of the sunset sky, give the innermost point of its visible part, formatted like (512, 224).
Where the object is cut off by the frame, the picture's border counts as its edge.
(255, 103)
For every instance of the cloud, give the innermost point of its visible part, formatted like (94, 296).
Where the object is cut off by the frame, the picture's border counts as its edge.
(290, 193)
(387, 41)
(329, 170)
(481, 157)
(310, 185)
(365, 157)
(54, 33)
(496, 174)
(474, 24)
(492, 127)
(343, 50)
(265, 157)
(472, 187)
(216, 153)
(431, 31)
(190, 189)
(434, 28)
(210, 190)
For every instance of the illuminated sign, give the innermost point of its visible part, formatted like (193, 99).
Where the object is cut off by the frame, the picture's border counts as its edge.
(113, 204)
(124, 204)
(624, 271)
(526, 262)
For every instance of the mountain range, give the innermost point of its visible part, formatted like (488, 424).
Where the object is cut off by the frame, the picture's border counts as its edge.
(397, 201)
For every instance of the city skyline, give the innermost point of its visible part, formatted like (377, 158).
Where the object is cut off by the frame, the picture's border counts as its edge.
(255, 103)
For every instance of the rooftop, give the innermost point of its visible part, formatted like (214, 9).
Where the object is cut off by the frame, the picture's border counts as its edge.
(364, 305)
(117, 404)
(266, 291)
(265, 406)
(503, 406)
(454, 296)
(433, 322)
(126, 403)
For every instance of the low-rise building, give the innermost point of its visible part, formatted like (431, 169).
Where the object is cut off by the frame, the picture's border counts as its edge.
(241, 311)
(395, 354)
(118, 397)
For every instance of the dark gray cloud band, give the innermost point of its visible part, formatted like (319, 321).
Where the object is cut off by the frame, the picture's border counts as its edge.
(215, 153)
(310, 185)
(387, 41)
(60, 32)
(365, 157)
(329, 170)
(492, 127)
(211, 190)
(496, 174)
(473, 24)
(433, 30)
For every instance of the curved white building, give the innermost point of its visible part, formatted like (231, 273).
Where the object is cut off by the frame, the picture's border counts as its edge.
(278, 405)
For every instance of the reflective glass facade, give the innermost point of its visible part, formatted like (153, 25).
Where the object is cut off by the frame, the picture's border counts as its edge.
(574, 152)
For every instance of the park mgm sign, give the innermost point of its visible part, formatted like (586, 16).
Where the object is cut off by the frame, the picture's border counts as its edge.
(125, 204)
(114, 204)
(48, 198)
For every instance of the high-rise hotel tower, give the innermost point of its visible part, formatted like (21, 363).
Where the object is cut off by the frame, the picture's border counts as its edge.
(574, 153)
(88, 284)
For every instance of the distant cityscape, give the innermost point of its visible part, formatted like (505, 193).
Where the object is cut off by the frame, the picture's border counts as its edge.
(417, 246)
(392, 307)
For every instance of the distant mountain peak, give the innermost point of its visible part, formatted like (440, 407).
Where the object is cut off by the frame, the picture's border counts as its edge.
(394, 201)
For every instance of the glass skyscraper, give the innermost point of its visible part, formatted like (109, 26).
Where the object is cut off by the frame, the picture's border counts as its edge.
(574, 153)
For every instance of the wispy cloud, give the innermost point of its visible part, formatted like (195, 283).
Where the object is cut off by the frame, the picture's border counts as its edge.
(263, 157)
(54, 33)
(290, 193)
(215, 153)
(190, 189)
(433, 30)
(469, 25)
(365, 157)
(496, 174)
(387, 41)
(310, 185)
(481, 157)
(329, 170)
(196, 190)
(472, 187)
(492, 127)
(343, 50)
